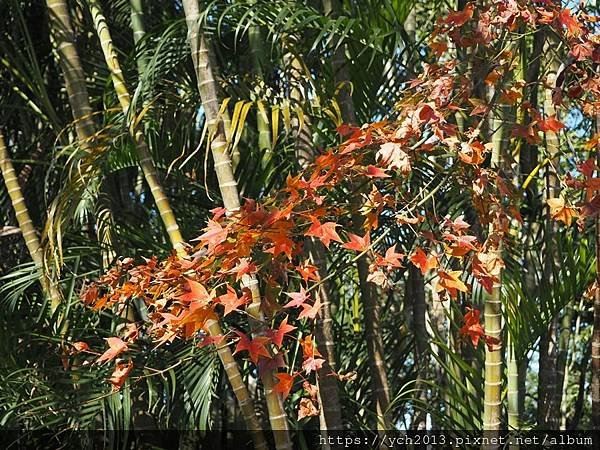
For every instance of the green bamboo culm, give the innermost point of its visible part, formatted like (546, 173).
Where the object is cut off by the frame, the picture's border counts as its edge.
(28, 231)
(492, 310)
(144, 157)
(229, 363)
(139, 31)
(208, 90)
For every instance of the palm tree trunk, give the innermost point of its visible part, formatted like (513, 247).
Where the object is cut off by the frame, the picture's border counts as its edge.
(512, 394)
(562, 363)
(229, 192)
(50, 288)
(420, 333)
(64, 40)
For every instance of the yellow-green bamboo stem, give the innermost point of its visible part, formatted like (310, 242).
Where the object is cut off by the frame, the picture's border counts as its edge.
(512, 394)
(144, 156)
(229, 192)
(169, 220)
(330, 414)
(262, 120)
(70, 64)
(492, 309)
(26, 225)
(85, 128)
(80, 104)
(139, 31)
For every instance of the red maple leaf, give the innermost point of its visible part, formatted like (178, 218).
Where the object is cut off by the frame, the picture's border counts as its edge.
(550, 124)
(214, 234)
(420, 259)
(298, 298)
(231, 301)
(255, 347)
(278, 335)
(587, 168)
(308, 272)
(116, 347)
(376, 172)
(472, 327)
(284, 385)
(312, 364)
(358, 243)
(197, 293)
(391, 258)
(243, 267)
(209, 340)
(324, 231)
(310, 311)
(120, 374)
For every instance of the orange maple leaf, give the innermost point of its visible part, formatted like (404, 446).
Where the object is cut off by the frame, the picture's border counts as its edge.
(307, 408)
(358, 243)
(459, 18)
(420, 259)
(231, 301)
(116, 347)
(324, 231)
(393, 157)
(214, 234)
(278, 335)
(255, 347)
(243, 267)
(310, 311)
(450, 281)
(196, 293)
(570, 22)
(284, 385)
(559, 211)
(308, 347)
(308, 272)
(472, 327)
(391, 258)
(120, 374)
(297, 298)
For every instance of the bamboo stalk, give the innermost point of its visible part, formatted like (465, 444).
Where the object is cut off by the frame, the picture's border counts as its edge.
(492, 308)
(595, 384)
(139, 31)
(75, 82)
(369, 296)
(50, 288)
(330, 414)
(229, 192)
(262, 121)
(144, 157)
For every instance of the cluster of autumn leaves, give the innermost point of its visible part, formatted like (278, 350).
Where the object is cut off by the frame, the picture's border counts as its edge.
(375, 163)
